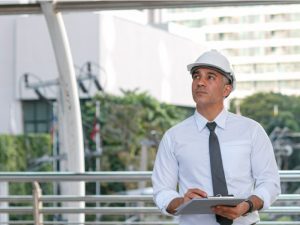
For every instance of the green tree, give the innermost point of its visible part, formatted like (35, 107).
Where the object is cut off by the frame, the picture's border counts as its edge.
(126, 121)
(261, 107)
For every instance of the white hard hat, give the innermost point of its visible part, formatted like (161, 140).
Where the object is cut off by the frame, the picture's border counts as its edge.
(215, 60)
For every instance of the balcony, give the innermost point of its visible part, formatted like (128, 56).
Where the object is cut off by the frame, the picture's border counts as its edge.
(39, 205)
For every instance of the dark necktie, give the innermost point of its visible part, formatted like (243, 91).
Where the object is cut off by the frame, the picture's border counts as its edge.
(217, 171)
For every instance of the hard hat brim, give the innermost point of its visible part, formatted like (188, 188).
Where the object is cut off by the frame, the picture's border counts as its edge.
(193, 66)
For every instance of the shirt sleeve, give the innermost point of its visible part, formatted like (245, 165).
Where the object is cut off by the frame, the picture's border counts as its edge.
(165, 175)
(264, 168)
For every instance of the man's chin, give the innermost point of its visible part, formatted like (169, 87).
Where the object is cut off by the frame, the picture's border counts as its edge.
(201, 101)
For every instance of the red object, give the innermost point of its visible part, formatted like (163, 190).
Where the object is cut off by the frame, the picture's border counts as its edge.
(95, 130)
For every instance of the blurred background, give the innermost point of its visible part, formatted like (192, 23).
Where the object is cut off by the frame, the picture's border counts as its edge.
(132, 83)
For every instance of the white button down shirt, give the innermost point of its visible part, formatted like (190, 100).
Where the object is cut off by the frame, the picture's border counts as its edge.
(248, 160)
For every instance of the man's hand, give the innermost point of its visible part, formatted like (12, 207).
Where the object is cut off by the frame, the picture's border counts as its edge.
(194, 193)
(231, 212)
(239, 210)
(190, 194)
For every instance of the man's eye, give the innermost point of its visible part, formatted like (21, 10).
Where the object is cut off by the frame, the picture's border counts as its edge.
(211, 77)
(195, 76)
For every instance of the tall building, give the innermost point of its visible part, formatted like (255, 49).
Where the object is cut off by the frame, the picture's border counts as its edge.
(263, 42)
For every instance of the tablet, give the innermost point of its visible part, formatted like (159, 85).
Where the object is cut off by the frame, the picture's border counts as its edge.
(203, 205)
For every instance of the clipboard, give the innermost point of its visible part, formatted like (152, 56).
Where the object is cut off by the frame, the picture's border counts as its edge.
(203, 205)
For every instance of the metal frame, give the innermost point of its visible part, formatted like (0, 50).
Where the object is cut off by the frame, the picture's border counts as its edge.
(109, 176)
(39, 210)
(88, 5)
(108, 198)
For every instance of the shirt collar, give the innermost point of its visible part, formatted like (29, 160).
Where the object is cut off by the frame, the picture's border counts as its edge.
(220, 120)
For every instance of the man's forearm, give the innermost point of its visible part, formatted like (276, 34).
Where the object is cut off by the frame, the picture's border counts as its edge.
(175, 203)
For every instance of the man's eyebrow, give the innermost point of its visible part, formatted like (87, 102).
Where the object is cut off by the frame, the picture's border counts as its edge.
(212, 73)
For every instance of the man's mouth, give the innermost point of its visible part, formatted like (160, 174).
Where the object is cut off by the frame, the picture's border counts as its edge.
(201, 92)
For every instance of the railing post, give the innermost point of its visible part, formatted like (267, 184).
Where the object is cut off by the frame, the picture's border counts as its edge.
(37, 204)
(4, 192)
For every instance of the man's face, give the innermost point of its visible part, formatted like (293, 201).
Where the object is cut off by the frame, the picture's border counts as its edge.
(209, 87)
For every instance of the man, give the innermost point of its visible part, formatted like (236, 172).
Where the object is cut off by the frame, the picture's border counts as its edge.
(246, 161)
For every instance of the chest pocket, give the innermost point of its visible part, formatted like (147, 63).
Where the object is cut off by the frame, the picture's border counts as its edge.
(236, 158)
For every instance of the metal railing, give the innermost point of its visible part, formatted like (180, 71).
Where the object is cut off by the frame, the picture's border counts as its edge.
(38, 207)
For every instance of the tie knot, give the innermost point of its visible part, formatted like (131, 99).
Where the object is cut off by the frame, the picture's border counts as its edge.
(211, 126)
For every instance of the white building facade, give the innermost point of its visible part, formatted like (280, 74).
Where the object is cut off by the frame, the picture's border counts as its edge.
(263, 42)
(124, 54)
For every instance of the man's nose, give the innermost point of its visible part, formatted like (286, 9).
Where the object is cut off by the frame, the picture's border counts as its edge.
(201, 81)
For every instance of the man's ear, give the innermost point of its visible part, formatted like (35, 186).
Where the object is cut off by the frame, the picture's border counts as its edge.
(227, 90)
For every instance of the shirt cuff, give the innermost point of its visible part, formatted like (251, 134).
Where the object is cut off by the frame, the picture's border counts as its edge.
(265, 196)
(163, 200)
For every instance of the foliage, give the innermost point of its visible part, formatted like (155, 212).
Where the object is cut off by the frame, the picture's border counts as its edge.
(12, 157)
(125, 122)
(261, 106)
(17, 153)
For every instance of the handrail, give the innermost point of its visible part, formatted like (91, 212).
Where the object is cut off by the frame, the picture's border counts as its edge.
(126, 210)
(22, 222)
(286, 200)
(289, 175)
(109, 198)
(111, 176)
(87, 198)
(288, 197)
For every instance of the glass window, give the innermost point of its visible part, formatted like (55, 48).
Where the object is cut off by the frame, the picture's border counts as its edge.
(192, 23)
(294, 33)
(292, 49)
(29, 128)
(295, 16)
(243, 69)
(289, 67)
(245, 85)
(267, 86)
(266, 67)
(290, 84)
(37, 116)
(29, 115)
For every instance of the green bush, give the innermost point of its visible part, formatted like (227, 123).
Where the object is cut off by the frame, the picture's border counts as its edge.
(17, 153)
